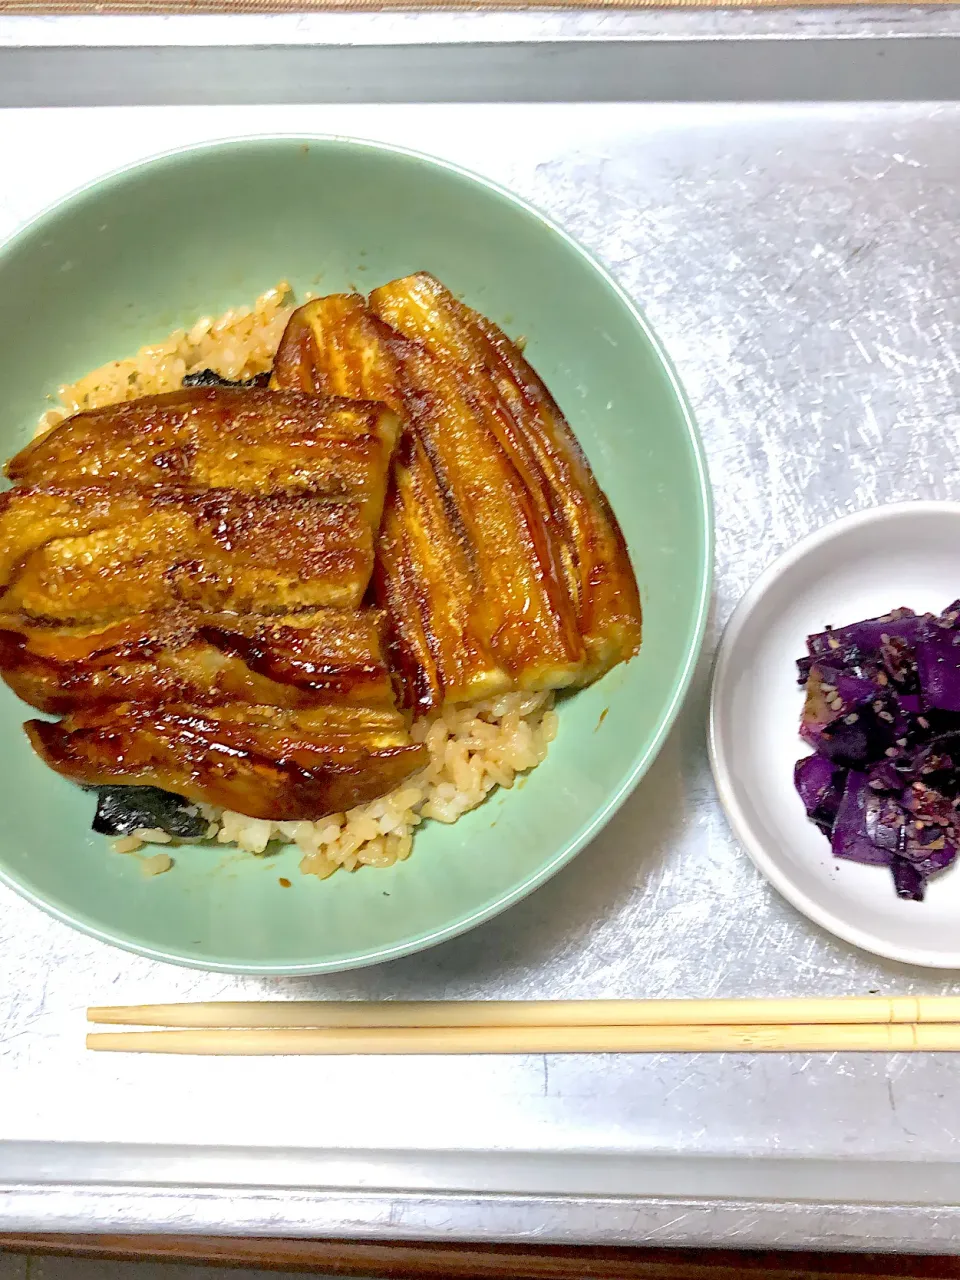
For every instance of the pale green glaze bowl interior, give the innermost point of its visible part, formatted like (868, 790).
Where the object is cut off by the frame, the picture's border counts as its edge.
(154, 247)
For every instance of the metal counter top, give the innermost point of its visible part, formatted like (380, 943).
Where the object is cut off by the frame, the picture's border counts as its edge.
(801, 262)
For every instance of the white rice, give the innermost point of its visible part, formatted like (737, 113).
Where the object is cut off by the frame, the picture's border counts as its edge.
(239, 344)
(473, 748)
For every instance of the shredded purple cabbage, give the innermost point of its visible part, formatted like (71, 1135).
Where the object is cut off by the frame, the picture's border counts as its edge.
(882, 713)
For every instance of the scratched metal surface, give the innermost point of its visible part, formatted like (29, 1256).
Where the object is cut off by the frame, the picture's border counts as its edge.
(802, 266)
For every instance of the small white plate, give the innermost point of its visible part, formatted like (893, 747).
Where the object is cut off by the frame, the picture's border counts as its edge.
(860, 567)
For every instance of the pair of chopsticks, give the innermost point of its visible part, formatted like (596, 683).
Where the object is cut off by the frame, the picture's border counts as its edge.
(870, 1023)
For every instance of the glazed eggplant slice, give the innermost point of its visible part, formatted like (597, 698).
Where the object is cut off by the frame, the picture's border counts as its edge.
(499, 561)
(266, 762)
(427, 576)
(333, 346)
(255, 441)
(519, 608)
(523, 424)
(428, 580)
(465, 570)
(299, 660)
(76, 555)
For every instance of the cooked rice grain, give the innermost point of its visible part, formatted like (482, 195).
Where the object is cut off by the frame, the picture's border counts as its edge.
(239, 344)
(473, 748)
(156, 865)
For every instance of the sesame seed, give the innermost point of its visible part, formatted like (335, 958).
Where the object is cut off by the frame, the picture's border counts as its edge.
(882, 678)
(901, 742)
(923, 722)
(890, 751)
(885, 715)
(851, 719)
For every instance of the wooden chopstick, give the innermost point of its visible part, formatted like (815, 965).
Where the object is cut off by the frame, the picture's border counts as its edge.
(535, 1013)
(833, 1037)
(808, 1025)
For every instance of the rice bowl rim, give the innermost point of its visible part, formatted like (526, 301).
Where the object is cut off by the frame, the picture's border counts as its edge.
(102, 186)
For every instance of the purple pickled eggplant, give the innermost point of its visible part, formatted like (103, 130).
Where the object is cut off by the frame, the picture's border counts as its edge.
(898, 656)
(848, 720)
(925, 804)
(868, 826)
(936, 762)
(885, 775)
(909, 703)
(865, 636)
(926, 852)
(820, 784)
(873, 647)
(907, 881)
(929, 849)
(882, 713)
(938, 668)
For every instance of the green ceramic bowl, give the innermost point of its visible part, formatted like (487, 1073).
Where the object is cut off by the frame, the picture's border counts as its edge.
(155, 246)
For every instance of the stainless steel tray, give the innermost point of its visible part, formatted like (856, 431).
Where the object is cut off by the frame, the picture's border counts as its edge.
(780, 193)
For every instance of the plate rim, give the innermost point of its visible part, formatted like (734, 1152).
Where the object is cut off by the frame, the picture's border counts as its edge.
(721, 759)
(488, 910)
